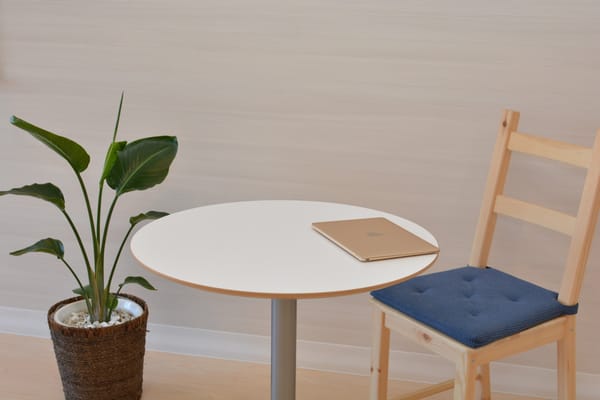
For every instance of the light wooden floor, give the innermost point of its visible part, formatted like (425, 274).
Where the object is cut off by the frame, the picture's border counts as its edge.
(28, 371)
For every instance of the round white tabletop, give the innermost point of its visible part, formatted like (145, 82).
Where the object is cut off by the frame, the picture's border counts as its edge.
(268, 249)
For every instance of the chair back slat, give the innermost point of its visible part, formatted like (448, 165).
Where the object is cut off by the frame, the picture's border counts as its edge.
(532, 213)
(587, 216)
(552, 149)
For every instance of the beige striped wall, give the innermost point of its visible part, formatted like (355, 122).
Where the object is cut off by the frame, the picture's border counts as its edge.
(387, 104)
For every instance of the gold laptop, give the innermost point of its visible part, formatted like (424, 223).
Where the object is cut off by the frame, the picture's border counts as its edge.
(370, 239)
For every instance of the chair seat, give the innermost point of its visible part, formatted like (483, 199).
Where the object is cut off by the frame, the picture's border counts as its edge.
(475, 306)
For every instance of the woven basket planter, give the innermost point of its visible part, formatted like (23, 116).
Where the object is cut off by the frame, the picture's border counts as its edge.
(100, 363)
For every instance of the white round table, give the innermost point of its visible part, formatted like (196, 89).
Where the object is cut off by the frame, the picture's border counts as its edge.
(268, 249)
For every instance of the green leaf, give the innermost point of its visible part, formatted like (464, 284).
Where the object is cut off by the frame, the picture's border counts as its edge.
(139, 280)
(146, 216)
(86, 292)
(111, 158)
(118, 117)
(48, 245)
(113, 301)
(75, 155)
(142, 164)
(44, 191)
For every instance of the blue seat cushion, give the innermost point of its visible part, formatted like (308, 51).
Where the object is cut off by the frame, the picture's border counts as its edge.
(475, 306)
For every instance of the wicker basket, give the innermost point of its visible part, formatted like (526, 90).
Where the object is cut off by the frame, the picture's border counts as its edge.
(100, 363)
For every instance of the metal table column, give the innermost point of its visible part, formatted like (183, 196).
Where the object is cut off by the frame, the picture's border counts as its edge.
(283, 349)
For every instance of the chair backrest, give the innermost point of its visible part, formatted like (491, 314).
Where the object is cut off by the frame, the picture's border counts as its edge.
(580, 227)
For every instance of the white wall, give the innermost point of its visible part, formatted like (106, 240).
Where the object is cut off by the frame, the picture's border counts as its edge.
(386, 104)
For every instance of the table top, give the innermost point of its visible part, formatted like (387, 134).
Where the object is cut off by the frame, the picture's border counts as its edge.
(268, 249)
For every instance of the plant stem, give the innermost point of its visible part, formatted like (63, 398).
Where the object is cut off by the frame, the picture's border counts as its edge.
(91, 275)
(87, 301)
(100, 258)
(85, 256)
(112, 271)
(99, 263)
(95, 278)
(100, 189)
(99, 209)
(89, 211)
(107, 222)
(100, 286)
(100, 266)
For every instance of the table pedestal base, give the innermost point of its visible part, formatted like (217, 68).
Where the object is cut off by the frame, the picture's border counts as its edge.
(283, 349)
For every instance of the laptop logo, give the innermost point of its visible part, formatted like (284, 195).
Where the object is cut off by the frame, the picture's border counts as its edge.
(374, 234)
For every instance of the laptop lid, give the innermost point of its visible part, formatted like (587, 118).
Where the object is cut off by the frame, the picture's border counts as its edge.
(370, 239)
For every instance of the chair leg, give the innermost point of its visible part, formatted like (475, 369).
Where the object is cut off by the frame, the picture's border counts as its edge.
(566, 363)
(466, 379)
(486, 390)
(380, 356)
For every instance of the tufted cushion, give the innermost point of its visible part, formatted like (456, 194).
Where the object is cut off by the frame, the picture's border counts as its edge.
(475, 306)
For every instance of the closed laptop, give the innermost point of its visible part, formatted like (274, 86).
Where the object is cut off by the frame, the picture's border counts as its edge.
(370, 239)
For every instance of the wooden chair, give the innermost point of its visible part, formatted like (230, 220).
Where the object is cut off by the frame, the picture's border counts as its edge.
(476, 314)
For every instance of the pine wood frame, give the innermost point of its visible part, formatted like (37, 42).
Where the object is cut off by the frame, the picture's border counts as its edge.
(472, 365)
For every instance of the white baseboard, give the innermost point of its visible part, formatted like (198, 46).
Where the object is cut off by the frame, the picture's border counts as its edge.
(418, 367)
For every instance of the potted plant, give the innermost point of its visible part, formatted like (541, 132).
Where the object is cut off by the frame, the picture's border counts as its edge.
(104, 358)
